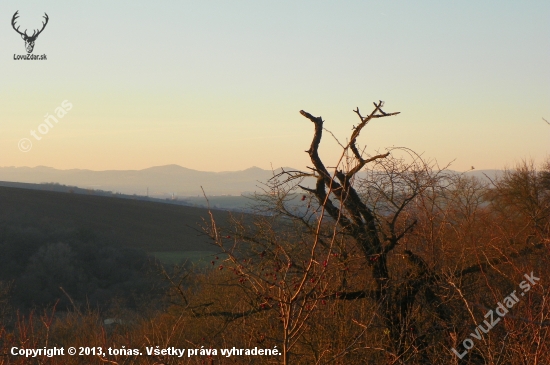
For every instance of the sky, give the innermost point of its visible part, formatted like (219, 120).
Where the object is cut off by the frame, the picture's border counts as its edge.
(218, 85)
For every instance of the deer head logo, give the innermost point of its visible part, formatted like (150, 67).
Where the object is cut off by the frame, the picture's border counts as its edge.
(29, 40)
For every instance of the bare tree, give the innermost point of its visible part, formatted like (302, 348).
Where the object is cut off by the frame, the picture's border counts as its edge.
(376, 217)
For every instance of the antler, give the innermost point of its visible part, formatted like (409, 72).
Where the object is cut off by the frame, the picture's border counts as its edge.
(43, 26)
(15, 16)
(34, 34)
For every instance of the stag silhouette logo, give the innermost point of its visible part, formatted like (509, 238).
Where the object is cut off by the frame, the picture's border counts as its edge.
(29, 40)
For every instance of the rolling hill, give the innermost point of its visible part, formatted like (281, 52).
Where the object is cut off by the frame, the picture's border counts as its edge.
(153, 227)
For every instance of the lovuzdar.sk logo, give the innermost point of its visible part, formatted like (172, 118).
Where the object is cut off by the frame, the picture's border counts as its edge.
(29, 39)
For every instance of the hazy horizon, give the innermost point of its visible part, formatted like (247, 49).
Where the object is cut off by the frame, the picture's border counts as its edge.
(165, 180)
(209, 171)
(218, 86)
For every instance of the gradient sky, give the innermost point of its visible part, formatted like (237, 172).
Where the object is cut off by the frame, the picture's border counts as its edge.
(218, 85)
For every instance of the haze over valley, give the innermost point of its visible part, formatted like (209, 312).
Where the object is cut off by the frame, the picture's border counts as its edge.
(169, 181)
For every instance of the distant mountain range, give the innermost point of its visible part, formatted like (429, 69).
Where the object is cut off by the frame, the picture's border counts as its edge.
(159, 182)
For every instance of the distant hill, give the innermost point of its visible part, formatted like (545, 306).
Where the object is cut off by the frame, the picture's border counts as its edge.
(153, 227)
(235, 203)
(485, 174)
(160, 181)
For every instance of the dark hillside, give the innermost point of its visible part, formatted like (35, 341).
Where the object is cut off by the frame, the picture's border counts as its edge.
(138, 224)
(94, 247)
